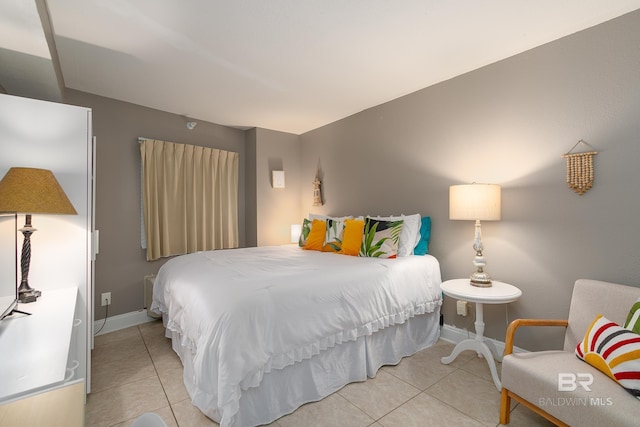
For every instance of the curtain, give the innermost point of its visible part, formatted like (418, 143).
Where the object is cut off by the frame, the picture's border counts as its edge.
(189, 197)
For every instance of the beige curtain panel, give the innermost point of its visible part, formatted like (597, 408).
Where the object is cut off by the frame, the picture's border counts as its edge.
(189, 197)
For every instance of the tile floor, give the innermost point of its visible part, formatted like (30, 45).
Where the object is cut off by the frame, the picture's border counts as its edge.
(135, 371)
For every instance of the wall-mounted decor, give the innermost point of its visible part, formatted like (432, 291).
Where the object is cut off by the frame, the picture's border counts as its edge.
(277, 179)
(580, 168)
(317, 192)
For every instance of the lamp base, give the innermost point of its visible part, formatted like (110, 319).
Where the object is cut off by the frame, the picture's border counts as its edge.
(29, 296)
(480, 279)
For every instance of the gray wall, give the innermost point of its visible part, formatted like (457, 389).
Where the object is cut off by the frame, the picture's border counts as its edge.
(121, 264)
(507, 123)
(270, 212)
(251, 211)
(277, 208)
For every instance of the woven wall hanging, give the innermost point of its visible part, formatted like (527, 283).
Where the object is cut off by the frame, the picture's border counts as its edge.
(580, 169)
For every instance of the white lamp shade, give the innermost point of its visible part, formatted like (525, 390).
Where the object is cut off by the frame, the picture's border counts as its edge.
(474, 201)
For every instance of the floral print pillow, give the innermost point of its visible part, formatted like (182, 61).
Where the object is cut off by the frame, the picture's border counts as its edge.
(380, 238)
(333, 238)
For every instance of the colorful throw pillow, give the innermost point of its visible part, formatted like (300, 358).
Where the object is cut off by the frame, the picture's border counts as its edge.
(633, 319)
(422, 248)
(304, 232)
(352, 236)
(614, 351)
(410, 234)
(333, 236)
(315, 240)
(380, 238)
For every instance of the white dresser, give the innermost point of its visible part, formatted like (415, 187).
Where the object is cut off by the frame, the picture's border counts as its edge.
(41, 354)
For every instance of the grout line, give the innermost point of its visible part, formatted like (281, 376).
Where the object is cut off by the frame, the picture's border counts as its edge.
(173, 414)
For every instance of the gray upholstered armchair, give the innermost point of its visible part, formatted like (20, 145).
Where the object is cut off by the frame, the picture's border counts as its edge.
(533, 378)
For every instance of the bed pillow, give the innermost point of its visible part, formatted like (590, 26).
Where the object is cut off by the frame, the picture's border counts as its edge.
(410, 235)
(304, 232)
(380, 238)
(315, 240)
(422, 248)
(633, 319)
(333, 235)
(352, 236)
(313, 216)
(613, 350)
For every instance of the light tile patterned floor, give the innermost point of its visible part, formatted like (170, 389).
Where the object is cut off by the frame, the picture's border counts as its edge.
(135, 371)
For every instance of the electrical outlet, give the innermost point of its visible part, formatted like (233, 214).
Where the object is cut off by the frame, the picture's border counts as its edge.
(106, 299)
(462, 308)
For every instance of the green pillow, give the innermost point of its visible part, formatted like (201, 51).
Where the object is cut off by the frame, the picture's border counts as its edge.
(304, 232)
(633, 319)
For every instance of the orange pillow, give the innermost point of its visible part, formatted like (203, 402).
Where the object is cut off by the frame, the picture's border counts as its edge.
(352, 237)
(315, 241)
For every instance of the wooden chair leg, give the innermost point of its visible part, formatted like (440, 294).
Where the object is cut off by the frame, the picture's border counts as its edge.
(505, 406)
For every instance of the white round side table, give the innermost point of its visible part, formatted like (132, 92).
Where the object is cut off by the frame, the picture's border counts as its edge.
(498, 293)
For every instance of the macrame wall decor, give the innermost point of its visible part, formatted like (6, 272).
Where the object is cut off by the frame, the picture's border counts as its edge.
(580, 168)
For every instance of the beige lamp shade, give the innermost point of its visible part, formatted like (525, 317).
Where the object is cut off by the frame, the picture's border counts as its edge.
(474, 202)
(29, 190)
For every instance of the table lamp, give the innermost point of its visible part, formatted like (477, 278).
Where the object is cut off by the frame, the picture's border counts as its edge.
(296, 229)
(29, 191)
(479, 202)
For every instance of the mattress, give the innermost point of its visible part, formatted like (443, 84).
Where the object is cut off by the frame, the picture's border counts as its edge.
(238, 315)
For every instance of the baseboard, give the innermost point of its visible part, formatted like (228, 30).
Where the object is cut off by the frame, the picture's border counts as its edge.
(454, 335)
(121, 321)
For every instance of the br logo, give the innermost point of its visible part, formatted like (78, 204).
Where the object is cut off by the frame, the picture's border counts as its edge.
(569, 382)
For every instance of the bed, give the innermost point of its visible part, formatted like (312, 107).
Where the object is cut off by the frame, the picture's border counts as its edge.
(261, 331)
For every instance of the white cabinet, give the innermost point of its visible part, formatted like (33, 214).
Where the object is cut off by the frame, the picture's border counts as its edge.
(40, 350)
(57, 137)
(62, 407)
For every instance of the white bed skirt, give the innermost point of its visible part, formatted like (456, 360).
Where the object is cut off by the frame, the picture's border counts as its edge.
(282, 391)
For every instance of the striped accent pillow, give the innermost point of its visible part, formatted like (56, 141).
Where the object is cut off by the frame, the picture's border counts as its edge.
(614, 351)
(633, 319)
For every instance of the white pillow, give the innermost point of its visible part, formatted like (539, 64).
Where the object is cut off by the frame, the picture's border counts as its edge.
(313, 216)
(410, 234)
(316, 216)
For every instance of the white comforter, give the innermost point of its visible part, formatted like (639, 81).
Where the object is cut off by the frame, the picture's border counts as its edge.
(245, 312)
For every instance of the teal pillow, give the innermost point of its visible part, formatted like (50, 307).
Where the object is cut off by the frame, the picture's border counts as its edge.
(633, 319)
(422, 248)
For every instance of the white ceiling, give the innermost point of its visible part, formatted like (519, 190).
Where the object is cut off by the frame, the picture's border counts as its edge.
(295, 65)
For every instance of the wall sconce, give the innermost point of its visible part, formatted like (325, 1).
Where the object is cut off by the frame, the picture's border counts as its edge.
(191, 125)
(476, 202)
(277, 179)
